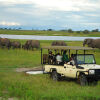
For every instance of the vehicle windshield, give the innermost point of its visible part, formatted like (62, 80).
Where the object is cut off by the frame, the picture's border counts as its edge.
(85, 59)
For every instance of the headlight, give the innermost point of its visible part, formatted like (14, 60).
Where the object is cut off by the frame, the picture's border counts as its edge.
(91, 71)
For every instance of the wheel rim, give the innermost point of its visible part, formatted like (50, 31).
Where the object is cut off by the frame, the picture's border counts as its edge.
(83, 80)
(54, 76)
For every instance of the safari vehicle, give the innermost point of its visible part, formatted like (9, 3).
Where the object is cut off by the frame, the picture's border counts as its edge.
(83, 68)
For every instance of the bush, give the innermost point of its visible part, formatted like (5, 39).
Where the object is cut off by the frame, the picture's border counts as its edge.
(86, 31)
(96, 30)
(70, 31)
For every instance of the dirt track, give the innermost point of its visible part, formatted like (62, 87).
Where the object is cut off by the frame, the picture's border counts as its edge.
(28, 69)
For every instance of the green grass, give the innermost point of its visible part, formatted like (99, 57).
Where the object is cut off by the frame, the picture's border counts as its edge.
(41, 87)
(19, 58)
(23, 58)
(48, 33)
(21, 86)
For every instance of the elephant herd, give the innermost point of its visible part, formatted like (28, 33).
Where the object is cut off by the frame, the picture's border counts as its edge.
(30, 44)
(94, 43)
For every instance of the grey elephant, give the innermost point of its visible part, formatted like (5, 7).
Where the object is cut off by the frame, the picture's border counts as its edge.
(30, 44)
(94, 43)
(58, 43)
(4, 42)
(25, 46)
(34, 44)
(15, 44)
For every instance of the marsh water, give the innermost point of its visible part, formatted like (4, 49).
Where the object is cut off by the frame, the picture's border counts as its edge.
(36, 37)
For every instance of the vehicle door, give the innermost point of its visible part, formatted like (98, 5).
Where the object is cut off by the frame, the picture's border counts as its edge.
(70, 70)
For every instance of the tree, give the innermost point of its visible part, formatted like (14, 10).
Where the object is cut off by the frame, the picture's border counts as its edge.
(70, 31)
(86, 31)
(64, 30)
(78, 31)
(19, 28)
(96, 30)
(50, 29)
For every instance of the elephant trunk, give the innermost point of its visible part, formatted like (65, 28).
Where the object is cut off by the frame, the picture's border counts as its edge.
(83, 44)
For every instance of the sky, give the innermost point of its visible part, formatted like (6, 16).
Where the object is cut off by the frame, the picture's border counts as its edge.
(50, 14)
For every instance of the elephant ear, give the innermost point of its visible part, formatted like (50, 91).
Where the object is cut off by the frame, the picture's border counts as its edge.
(89, 41)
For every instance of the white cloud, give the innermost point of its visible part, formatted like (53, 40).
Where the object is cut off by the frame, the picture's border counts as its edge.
(93, 15)
(12, 2)
(62, 5)
(92, 24)
(50, 12)
(74, 16)
(9, 23)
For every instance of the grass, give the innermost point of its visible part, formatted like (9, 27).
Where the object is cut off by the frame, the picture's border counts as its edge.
(23, 58)
(21, 86)
(48, 33)
(19, 58)
(41, 87)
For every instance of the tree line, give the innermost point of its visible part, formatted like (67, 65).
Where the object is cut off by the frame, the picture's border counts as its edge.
(86, 31)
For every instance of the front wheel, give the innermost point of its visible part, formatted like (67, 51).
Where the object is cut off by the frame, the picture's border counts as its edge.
(55, 76)
(83, 80)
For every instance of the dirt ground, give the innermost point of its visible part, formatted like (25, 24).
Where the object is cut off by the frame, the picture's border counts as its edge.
(29, 69)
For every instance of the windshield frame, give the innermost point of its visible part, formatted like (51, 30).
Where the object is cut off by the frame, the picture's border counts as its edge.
(84, 55)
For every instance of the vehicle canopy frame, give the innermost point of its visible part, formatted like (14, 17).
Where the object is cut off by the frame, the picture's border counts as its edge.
(77, 48)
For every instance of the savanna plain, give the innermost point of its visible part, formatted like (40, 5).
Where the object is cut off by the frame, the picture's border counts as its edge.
(21, 86)
(49, 33)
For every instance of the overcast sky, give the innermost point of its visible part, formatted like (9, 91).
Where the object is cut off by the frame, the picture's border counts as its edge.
(55, 14)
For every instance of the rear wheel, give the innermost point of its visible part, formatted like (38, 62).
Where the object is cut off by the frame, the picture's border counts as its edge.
(83, 80)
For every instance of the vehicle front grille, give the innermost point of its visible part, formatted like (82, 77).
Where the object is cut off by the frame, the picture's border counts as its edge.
(97, 71)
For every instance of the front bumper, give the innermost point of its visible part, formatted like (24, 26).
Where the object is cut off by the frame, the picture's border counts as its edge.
(93, 76)
(96, 75)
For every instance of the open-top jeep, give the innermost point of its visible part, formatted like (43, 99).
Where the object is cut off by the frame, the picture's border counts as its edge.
(82, 67)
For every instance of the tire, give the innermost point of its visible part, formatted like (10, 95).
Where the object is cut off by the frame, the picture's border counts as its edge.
(55, 76)
(83, 80)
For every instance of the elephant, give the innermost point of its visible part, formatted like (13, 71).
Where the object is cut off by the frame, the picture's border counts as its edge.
(30, 44)
(25, 46)
(88, 42)
(0, 38)
(4, 42)
(15, 44)
(34, 44)
(58, 43)
(94, 43)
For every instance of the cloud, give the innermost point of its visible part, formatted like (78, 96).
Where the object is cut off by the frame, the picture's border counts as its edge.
(92, 24)
(60, 5)
(50, 13)
(92, 15)
(4, 23)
